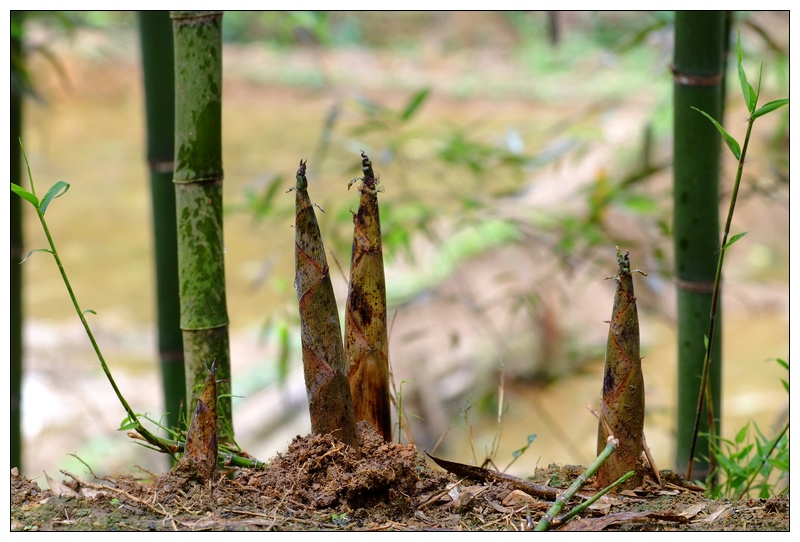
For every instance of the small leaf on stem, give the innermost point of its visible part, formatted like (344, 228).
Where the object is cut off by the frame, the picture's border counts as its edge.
(57, 190)
(17, 189)
(769, 107)
(734, 239)
(36, 250)
(729, 140)
(414, 103)
(747, 90)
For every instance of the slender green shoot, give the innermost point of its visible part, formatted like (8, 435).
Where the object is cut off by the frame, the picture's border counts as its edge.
(516, 454)
(579, 482)
(399, 394)
(748, 458)
(751, 99)
(594, 498)
(765, 464)
(133, 420)
(57, 190)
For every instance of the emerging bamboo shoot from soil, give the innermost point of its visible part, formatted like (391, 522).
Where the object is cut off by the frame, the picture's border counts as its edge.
(329, 402)
(366, 344)
(622, 411)
(201, 449)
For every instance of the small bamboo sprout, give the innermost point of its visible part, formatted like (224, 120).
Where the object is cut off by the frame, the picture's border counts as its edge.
(366, 344)
(329, 402)
(200, 453)
(622, 411)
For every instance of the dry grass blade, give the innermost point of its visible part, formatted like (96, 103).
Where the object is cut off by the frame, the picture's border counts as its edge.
(622, 410)
(329, 401)
(366, 343)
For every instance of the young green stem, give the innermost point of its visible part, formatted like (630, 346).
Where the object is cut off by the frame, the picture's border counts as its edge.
(149, 437)
(768, 453)
(704, 383)
(562, 499)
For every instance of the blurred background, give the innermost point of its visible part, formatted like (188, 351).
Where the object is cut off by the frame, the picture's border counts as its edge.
(516, 149)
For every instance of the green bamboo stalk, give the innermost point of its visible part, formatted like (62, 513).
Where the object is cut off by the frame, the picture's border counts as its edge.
(15, 270)
(594, 498)
(366, 340)
(158, 65)
(330, 404)
(698, 70)
(622, 409)
(198, 196)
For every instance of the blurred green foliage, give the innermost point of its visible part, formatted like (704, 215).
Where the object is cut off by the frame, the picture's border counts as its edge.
(752, 465)
(477, 169)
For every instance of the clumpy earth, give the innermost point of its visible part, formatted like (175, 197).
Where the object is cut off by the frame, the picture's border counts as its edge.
(321, 484)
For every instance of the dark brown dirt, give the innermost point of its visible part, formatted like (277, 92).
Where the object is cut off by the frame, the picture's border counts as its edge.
(321, 485)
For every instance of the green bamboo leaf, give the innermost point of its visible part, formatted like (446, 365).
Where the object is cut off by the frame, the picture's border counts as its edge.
(742, 434)
(734, 239)
(414, 103)
(283, 351)
(782, 363)
(760, 448)
(725, 463)
(724, 440)
(640, 204)
(17, 189)
(517, 453)
(739, 46)
(90, 311)
(769, 107)
(747, 90)
(785, 365)
(729, 140)
(752, 97)
(764, 439)
(57, 190)
(745, 452)
(780, 465)
(36, 250)
(758, 87)
(127, 424)
(262, 205)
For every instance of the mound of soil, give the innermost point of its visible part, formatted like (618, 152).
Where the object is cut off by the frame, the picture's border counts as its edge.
(321, 484)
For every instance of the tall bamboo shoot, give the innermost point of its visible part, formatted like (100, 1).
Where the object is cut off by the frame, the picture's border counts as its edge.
(366, 344)
(622, 411)
(329, 402)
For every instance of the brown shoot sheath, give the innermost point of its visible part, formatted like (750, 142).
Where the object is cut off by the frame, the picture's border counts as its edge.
(329, 400)
(366, 343)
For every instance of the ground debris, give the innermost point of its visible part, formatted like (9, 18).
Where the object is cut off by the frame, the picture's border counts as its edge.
(319, 484)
